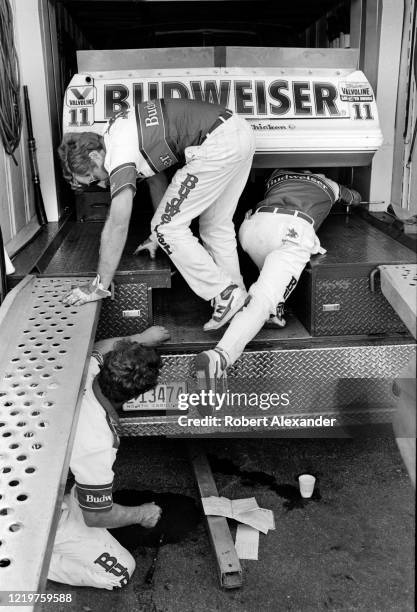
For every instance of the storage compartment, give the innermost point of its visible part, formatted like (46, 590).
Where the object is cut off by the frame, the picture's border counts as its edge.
(339, 293)
(128, 311)
(92, 205)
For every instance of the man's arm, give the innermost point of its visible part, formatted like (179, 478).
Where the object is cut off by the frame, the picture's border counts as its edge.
(146, 515)
(153, 336)
(113, 240)
(113, 236)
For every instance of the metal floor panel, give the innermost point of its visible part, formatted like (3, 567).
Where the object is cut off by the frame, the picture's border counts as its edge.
(44, 346)
(352, 383)
(183, 313)
(78, 255)
(351, 241)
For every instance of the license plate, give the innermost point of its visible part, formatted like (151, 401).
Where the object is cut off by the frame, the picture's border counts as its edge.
(163, 397)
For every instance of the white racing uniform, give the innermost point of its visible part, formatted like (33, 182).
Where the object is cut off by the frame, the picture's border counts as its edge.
(280, 238)
(82, 555)
(215, 148)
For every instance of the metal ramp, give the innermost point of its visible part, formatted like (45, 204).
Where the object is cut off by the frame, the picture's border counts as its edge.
(44, 346)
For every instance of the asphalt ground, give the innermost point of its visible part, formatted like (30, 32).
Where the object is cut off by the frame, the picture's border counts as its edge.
(352, 549)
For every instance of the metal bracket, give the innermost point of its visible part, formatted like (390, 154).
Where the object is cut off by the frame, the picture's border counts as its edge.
(373, 277)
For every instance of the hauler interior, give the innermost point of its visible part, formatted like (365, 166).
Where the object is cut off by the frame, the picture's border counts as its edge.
(326, 86)
(310, 81)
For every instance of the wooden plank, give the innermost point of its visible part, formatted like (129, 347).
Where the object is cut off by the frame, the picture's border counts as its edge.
(399, 286)
(228, 564)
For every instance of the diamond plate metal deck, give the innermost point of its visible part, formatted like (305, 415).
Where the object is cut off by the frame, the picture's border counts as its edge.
(360, 310)
(128, 297)
(77, 254)
(44, 346)
(352, 384)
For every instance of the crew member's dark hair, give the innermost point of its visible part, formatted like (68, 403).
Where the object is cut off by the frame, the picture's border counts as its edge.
(74, 153)
(128, 370)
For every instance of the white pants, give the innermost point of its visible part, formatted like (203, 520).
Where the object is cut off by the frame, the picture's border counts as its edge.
(87, 556)
(209, 187)
(281, 246)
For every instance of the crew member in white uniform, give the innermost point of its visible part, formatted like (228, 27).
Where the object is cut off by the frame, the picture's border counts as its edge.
(85, 553)
(213, 149)
(280, 237)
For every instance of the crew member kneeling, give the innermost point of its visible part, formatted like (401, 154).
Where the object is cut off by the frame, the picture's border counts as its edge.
(85, 553)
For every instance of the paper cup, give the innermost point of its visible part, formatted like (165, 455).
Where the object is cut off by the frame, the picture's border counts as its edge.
(306, 482)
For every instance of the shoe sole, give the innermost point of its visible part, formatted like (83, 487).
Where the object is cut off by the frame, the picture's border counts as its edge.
(205, 382)
(202, 366)
(202, 370)
(271, 325)
(240, 303)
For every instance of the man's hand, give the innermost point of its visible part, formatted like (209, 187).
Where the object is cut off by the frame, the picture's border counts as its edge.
(154, 335)
(149, 515)
(147, 245)
(86, 293)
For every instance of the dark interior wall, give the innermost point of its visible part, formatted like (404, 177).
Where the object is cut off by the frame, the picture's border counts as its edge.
(129, 24)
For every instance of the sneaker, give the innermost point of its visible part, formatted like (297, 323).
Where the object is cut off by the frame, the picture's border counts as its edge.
(211, 365)
(226, 306)
(275, 322)
(210, 368)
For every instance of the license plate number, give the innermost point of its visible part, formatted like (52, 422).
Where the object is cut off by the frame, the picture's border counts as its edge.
(163, 397)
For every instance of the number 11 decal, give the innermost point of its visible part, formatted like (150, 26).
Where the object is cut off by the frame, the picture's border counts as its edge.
(362, 111)
(79, 117)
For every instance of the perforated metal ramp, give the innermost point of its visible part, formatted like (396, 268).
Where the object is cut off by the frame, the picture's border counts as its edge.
(44, 346)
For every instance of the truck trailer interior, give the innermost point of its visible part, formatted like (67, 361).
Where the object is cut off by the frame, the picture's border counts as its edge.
(194, 49)
(101, 56)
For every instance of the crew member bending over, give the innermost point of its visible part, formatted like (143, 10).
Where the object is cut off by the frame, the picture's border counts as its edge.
(213, 149)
